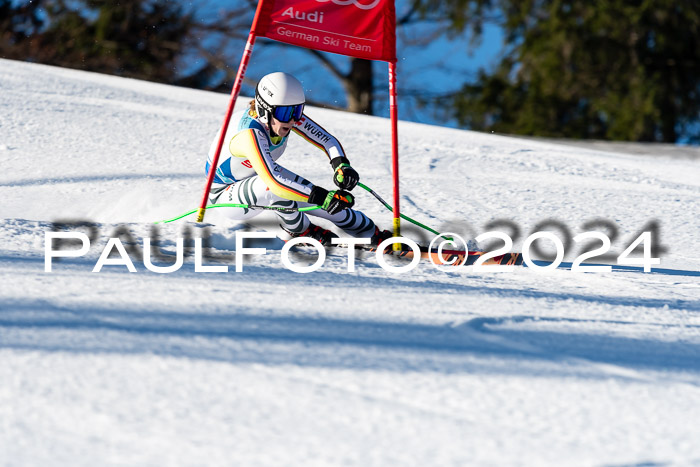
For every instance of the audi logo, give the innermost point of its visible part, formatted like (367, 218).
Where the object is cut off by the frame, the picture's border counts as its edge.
(358, 3)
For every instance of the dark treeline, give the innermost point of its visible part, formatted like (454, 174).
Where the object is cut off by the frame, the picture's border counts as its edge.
(133, 38)
(603, 69)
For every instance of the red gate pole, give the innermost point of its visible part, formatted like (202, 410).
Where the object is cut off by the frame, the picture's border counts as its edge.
(393, 111)
(247, 52)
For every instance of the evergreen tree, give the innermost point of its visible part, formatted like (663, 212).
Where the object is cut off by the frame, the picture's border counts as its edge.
(136, 38)
(608, 69)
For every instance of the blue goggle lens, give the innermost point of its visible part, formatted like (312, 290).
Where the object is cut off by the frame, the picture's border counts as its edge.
(285, 113)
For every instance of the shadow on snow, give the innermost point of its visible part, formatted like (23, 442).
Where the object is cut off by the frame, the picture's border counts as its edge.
(265, 337)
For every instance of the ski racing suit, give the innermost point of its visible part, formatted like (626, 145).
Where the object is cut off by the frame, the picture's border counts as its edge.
(248, 173)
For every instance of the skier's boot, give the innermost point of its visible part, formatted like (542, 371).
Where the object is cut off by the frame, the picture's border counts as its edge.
(314, 231)
(379, 236)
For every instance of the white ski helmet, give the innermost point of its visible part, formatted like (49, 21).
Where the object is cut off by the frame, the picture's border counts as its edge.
(280, 95)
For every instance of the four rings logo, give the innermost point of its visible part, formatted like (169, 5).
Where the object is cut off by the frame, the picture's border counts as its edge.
(358, 3)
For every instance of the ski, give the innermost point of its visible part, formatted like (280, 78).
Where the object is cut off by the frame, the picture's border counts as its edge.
(450, 257)
(468, 258)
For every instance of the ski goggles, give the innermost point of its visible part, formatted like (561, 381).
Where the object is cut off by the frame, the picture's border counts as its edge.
(285, 113)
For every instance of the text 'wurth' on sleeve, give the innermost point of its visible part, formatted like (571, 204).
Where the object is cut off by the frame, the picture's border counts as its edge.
(319, 137)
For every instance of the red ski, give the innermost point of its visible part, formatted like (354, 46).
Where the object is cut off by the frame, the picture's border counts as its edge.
(457, 257)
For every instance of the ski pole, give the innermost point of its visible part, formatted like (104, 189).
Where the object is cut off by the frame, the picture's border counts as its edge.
(386, 205)
(308, 208)
(244, 206)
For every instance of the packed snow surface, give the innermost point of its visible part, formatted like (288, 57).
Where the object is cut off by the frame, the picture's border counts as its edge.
(272, 367)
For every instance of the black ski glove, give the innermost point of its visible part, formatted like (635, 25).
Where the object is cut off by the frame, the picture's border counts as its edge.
(332, 201)
(345, 177)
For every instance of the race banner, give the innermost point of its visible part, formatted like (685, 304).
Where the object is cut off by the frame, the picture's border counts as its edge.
(358, 28)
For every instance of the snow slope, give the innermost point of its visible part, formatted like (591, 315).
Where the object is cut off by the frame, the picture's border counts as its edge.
(272, 367)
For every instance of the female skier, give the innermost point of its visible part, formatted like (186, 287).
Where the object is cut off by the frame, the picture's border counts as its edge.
(248, 172)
